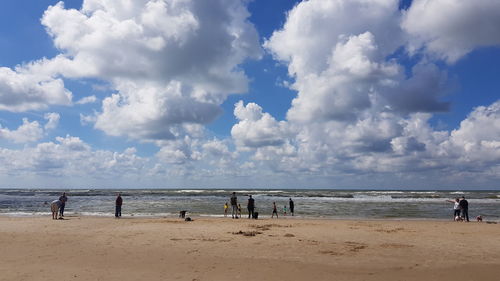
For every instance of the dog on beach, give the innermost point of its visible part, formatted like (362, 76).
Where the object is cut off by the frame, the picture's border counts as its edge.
(479, 218)
(458, 218)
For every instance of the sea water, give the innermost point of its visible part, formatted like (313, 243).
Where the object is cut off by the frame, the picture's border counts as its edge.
(309, 203)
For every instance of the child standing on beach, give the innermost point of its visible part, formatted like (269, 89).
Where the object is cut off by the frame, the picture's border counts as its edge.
(275, 210)
(225, 209)
(284, 210)
(456, 208)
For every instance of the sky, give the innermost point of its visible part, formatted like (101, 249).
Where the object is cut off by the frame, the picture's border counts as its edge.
(372, 94)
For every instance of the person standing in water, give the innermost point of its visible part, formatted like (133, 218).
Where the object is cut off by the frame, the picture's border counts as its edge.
(275, 210)
(225, 209)
(464, 208)
(234, 205)
(250, 206)
(291, 205)
(284, 210)
(118, 206)
(63, 200)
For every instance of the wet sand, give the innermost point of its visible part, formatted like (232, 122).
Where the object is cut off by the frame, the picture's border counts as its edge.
(90, 248)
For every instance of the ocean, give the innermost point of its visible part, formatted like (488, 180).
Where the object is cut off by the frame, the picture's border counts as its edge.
(330, 204)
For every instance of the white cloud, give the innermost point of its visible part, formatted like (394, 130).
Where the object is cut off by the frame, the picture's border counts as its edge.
(27, 132)
(359, 116)
(255, 128)
(30, 131)
(88, 99)
(358, 112)
(26, 88)
(314, 27)
(179, 152)
(449, 29)
(69, 156)
(218, 154)
(478, 138)
(171, 62)
(52, 120)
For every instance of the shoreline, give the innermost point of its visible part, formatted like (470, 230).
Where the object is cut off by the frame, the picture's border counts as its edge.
(261, 217)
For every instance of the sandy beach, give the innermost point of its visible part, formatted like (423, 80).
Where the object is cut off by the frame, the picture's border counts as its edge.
(91, 248)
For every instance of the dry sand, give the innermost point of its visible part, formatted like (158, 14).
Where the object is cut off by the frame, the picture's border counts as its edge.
(88, 248)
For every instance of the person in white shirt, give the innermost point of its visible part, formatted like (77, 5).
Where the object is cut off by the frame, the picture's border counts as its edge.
(456, 208)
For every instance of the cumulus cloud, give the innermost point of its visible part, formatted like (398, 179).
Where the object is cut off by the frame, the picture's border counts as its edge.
(69, 156)
(314, 27)
(358, 111)
(180, 151)
(255, 128)
(478, 138)
(218, 154)
(27, 88)
(341, 66)
(171, 62)
(27, 132)
(450, 29)
(30, 131)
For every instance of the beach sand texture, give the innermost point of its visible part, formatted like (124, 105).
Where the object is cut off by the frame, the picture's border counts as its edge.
(89, 248)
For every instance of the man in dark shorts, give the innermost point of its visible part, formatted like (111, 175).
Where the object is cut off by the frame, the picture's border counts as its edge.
(250, 206)
(118, 206)
(63, 200)
(292, 205)
(234, 205)
(275, 210)
(464, 207)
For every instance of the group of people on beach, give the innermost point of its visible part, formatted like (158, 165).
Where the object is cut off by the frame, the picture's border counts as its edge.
(461, 209)
(57, 207)
(236, 208)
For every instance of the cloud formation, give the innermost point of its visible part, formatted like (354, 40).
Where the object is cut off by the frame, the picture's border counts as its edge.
(368, 78)
(171, 62)
(450, 29)
(358, 109)
(26, 88)
(29, 132)
(69, 156)
(255, 128)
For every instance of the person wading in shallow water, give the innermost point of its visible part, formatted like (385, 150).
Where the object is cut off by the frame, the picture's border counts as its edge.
(118, 206)
(234, 206)
(63, 200)
(250, 206)
(291, 205)
(275, 210)
(464, 207)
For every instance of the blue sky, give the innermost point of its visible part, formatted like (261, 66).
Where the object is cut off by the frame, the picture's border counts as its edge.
(273, 94)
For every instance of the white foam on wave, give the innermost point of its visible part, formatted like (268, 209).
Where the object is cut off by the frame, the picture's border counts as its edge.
(382, 192)
(25, 214)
